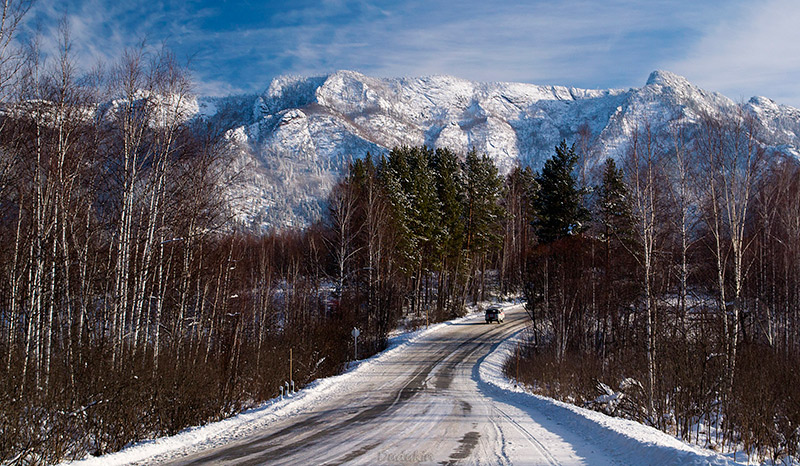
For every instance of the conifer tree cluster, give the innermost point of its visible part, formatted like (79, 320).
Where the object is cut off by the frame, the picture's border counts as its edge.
(446, 216)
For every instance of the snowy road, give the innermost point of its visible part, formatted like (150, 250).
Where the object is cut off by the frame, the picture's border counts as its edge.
(429, 402)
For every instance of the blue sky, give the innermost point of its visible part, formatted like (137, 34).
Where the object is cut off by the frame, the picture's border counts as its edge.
(740, 48)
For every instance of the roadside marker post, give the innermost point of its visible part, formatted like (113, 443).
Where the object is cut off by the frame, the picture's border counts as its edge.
(356, 332)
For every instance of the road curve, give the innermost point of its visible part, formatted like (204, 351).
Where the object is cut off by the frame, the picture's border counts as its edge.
(423, 404)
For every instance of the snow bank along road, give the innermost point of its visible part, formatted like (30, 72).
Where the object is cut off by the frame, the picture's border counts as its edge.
(440, 400)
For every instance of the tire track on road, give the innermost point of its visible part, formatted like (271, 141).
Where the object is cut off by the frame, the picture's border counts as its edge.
(294, 440)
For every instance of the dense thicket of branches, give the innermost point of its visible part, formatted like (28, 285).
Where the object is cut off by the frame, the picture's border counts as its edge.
(681, 295)
(129, 308)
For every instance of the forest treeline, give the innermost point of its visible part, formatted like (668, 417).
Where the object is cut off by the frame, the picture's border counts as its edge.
(668, 290)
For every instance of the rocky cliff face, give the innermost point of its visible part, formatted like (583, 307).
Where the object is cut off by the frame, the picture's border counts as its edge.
(294, 140)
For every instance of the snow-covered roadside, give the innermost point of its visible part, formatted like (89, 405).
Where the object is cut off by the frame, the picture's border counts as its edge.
(227, 430)
(628, 441)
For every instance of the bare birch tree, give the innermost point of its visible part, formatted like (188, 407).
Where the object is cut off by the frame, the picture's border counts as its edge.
(641, 169)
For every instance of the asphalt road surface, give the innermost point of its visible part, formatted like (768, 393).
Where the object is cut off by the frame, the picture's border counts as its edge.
(424, 404)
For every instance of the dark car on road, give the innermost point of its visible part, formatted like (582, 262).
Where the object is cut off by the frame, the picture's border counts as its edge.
(495, 314)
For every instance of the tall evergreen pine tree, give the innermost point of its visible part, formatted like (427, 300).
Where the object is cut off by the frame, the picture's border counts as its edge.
(558, 202)
(614, 213)
(484, 188)
(450, 190)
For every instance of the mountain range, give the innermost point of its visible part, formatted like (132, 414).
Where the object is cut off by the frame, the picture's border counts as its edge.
(291, 143)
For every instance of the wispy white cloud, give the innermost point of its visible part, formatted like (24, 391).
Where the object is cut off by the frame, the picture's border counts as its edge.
(730, 46)
(100, 30)
(573, 42)
(753, 51)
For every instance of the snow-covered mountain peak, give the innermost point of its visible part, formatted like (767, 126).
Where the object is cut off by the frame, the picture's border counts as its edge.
(667, 79)
(764, 103)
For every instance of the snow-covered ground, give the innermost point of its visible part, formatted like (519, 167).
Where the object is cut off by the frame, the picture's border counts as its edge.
(435, 392)
(634, 443)
(239, 426)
